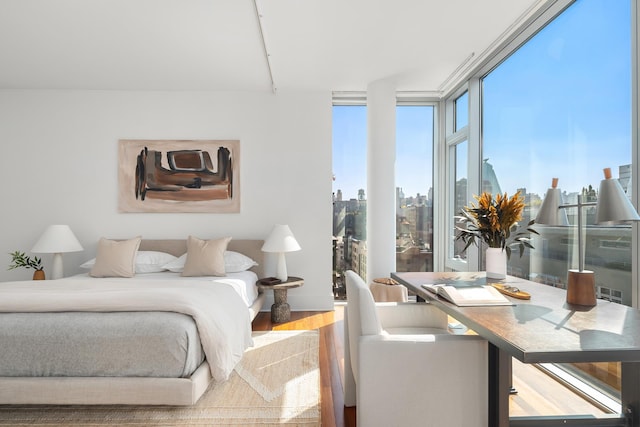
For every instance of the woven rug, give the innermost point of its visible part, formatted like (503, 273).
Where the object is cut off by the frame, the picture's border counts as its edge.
(277, 382)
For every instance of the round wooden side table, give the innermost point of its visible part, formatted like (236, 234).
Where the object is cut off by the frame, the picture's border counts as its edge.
(280, 310)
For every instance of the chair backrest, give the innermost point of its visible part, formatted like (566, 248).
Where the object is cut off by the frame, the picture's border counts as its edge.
(362, 315)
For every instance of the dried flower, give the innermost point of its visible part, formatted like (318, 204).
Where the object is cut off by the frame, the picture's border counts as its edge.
(493, 221)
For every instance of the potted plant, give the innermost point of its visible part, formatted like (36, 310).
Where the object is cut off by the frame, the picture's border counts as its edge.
(494, 221)
(20, 259)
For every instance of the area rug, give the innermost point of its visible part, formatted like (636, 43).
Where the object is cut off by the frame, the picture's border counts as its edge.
(277, 382)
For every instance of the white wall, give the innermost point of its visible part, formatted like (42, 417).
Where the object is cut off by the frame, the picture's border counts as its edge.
(59, 166)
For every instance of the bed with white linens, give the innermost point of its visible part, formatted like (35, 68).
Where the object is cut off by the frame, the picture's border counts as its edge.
(157, 338)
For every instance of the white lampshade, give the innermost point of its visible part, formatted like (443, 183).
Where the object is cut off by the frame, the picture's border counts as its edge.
(613, 207)
(55, 240)
(550, 212)
(281, 240)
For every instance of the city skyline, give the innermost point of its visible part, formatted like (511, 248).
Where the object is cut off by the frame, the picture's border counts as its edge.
(346, 197)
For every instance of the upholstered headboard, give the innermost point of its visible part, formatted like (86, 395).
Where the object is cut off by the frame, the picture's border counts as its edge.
(177, 247)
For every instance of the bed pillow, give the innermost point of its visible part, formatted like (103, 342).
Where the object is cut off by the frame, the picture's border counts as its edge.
(205, 257)
(115, 258)
(177, 265)
(146, 261)
(152, 261)
(234, 262)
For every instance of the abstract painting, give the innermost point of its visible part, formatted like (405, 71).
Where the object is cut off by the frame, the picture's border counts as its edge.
(179, 176)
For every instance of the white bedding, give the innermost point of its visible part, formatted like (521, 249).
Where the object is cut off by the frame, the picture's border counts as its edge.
(217, 307)
(244, 282)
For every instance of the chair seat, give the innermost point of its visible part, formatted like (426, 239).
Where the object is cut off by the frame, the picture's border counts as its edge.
(415, 331)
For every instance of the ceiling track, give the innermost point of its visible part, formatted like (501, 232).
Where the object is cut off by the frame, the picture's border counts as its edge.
(267, 56)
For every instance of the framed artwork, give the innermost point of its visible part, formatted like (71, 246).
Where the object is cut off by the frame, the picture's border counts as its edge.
(179, 176)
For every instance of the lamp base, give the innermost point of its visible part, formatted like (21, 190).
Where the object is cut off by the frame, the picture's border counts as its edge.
(581, 287)
(281, 271)
(57, 267)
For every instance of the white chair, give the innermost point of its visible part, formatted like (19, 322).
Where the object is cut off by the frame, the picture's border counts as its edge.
(403, 367)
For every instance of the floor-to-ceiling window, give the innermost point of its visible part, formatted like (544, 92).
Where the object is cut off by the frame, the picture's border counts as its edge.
(349, 197)
(560, 107)
(414, 187)
(457, 143)
(415, 122)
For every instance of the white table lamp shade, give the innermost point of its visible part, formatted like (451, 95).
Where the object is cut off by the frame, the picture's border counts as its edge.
(613, 207)
(281, 240)
(550, 212)
(57, 239)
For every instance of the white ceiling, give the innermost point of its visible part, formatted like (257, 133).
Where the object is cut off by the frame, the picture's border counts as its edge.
(338, 45)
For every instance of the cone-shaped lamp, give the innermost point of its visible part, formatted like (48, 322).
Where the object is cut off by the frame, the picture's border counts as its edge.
(281, 240)
(550, 212)
(55, 240)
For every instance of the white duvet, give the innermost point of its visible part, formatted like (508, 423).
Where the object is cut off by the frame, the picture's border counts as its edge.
(220, 313)
(243, 282)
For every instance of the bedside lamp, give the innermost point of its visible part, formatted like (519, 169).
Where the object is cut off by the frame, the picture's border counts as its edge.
(55, 240)
(281, 240)
(612, 207)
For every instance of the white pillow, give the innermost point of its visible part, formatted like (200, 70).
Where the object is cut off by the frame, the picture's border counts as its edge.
(234, 262)
(177, 265)
(152, 261)
(146, 261)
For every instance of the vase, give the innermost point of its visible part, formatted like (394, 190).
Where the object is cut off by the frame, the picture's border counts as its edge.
(38, 275)
(496, 263)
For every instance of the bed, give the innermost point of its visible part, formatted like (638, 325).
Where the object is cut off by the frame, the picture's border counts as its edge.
(154, 339)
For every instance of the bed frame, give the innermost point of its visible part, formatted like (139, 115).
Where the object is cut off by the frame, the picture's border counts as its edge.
(127, 390)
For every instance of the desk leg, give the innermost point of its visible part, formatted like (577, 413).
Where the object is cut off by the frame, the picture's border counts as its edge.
(630, 384)
(499, 386)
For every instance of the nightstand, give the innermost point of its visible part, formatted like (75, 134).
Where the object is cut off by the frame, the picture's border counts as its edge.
(280, 310)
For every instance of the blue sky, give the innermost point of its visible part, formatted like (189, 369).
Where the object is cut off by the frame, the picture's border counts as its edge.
(414, 141)
(559, 107)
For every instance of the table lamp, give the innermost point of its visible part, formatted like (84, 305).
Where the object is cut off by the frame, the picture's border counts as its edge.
(281, 240)
(55, 240)
(612, 207)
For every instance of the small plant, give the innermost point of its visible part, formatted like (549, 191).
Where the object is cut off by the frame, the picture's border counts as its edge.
(20, 259)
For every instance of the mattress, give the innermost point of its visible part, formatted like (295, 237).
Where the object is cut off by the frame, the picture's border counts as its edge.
(84, 344)
(161, 344)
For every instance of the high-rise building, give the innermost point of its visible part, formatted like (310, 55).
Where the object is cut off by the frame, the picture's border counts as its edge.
(624, 177)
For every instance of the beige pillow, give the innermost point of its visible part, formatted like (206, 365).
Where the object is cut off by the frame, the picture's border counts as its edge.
(205, 257)
(116, 258)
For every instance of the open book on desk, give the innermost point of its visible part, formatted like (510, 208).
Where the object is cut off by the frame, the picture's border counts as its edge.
(468, 296)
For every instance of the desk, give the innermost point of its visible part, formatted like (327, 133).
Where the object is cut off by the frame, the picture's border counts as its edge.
(546, 329)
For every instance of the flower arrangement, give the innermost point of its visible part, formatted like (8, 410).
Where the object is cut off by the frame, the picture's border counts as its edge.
(20, 259)
(495, 222)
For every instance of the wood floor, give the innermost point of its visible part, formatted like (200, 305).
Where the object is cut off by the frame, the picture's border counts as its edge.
(538, 394)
